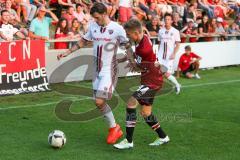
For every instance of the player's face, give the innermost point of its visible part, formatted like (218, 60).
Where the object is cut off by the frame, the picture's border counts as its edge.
(99, 18)
(187, 51)
(132, 35)
(168, 21)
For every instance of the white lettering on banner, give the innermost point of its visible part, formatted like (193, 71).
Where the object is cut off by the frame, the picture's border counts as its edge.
(12, 59)
(25, 75)
(25, 88)
(1, 73)
(26, 49)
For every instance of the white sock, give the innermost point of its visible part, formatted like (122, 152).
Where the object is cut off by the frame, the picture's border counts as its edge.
(108, 116)
(173, 80)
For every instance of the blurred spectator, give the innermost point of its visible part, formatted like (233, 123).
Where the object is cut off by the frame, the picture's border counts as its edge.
(234, 29)
(81, 17)
(237, 21)
(207, 7)
(177, 23)
(220, 30)
(203, 29)
(61, 33)
(7, 30)
(39, 3)
(188, 63)
(138, 12)
(125, 10)
(164, 7)
(69, 15)
(191, 14)
(212, 29)
(2, 5)
(14, 18)
(111, 8)
(233, 5)
(153, 26)
(189, 30)
(152, 12)
(75, 31)
(177, 6)
(39, 28)
(59, 5)
(30, 9)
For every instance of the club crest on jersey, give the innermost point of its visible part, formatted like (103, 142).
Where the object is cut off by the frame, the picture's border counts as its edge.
(95, 31)
(110, 31)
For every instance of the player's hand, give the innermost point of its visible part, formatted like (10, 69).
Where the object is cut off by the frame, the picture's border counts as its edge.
(62, 55)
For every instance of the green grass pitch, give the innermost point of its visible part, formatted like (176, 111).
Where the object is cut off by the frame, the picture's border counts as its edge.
(203, 122)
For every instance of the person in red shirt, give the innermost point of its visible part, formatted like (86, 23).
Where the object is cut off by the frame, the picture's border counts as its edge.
(61, 33)
(188, 63)
(143, 60)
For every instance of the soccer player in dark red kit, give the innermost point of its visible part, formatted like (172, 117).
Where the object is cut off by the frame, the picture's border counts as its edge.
(188, 63)
(143, 60)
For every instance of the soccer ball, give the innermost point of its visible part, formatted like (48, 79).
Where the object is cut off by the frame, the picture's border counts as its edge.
(57, 139)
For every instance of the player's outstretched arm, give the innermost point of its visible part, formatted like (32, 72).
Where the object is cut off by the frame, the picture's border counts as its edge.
(75, 47)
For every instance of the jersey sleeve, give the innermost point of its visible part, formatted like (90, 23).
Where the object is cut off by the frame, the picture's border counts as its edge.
(122, 36)
(195, 56)
(88, 36)
(177, 36)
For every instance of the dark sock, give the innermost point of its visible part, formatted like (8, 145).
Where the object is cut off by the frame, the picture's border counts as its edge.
(154, 124)
(131, 118)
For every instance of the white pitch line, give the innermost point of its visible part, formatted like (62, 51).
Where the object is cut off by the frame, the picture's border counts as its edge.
(40, 104)
(185, 86)
(210, 83)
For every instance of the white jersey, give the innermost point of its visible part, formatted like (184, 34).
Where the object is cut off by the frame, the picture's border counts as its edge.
(168, 40)
(8, 30)
(105, 45)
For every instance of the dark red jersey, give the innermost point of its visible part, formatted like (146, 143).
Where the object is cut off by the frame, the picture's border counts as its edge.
(184, 61)
(146, 58)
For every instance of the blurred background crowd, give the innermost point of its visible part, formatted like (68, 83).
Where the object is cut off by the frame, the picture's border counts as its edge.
(197, 20)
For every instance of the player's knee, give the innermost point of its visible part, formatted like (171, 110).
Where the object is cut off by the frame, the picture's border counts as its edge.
(132, 103)
(99, 103)
(145, 113)
(167, 74)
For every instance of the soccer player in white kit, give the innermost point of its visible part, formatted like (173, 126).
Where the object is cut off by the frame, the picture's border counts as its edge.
(106, 36)
(169, 38)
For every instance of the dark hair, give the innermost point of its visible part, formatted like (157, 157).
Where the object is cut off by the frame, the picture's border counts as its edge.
(59, 25)
(168, 15)
(188, 48)
(191, 5)
(133, 24)
(3, 11)
(98, 8)
(77, 5)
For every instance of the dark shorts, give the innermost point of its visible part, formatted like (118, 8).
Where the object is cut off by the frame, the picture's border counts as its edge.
(145, 95)
(190, 69)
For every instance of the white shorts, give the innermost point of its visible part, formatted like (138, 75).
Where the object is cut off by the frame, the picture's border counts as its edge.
(168, 66)
(104, 85)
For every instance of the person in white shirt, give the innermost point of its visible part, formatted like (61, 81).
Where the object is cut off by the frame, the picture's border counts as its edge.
(7, 31)
(106, 36)
(169, 38)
